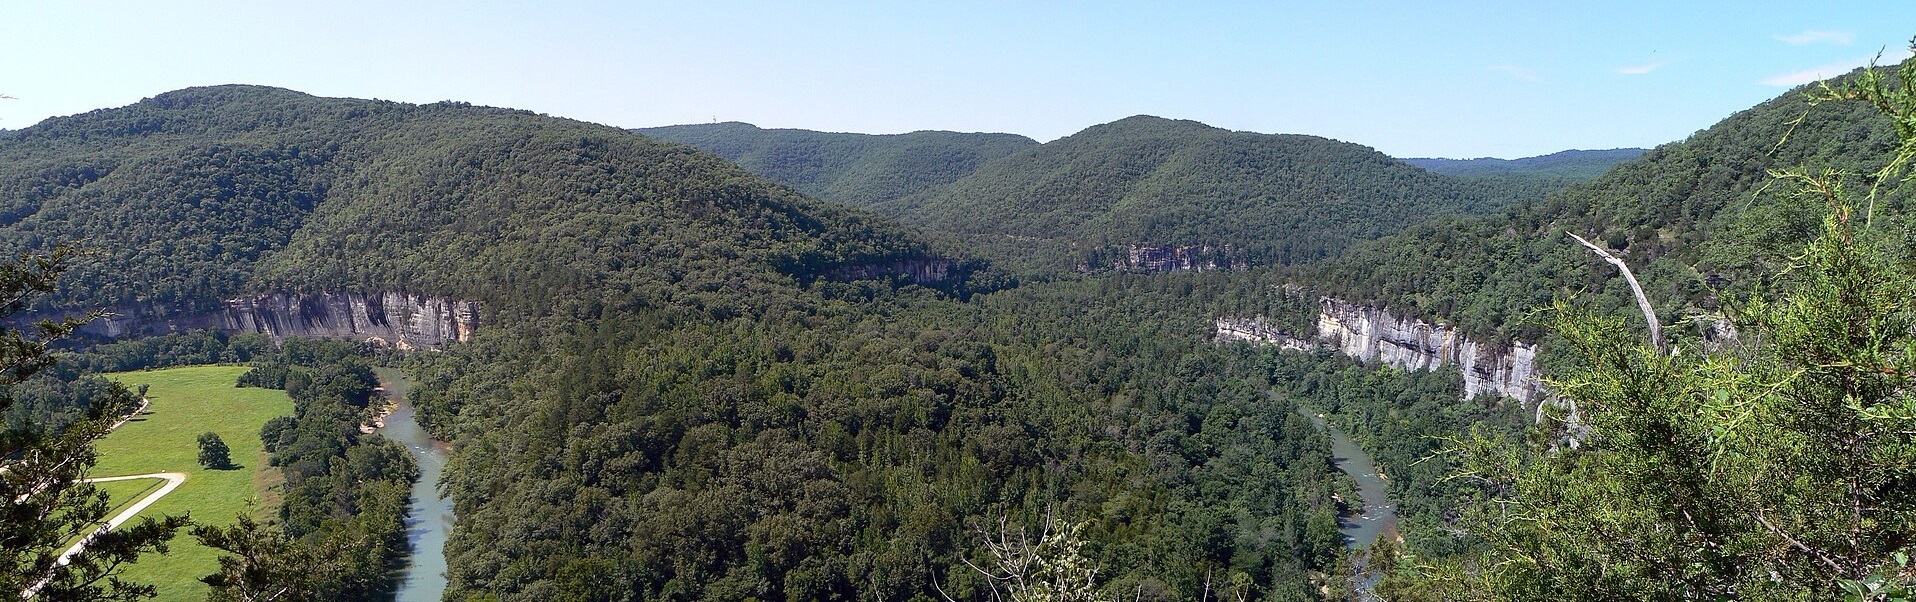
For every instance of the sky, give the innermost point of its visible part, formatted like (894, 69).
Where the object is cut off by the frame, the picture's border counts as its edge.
(1412, 79)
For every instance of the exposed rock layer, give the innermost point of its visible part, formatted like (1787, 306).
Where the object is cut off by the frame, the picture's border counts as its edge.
(398, 319)
(1186, 258)
(1375, 336)
(920, 271)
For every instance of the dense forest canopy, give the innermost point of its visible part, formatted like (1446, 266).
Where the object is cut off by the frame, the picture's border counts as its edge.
(1687, 214)
(673, 395)
(1572, 164)
(202, 194)
(696, 383)
(855, 169)
(1150, 181)
(1141, 181)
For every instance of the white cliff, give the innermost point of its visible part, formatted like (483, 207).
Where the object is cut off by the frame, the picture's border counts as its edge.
(1375, 336)
(398, 319)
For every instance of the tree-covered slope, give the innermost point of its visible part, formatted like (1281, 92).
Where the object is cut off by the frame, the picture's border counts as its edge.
(678, 392)
(1158, 182)
(821, 451)
(201, 194)
(1689, 215)
(855, 169)
(1576, 164)
(1530, 178)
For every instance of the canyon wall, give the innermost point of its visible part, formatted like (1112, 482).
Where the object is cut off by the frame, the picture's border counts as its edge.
(1140, 258)
(920, 271)
(1149, 258)
(397, 319)
(1375, 336)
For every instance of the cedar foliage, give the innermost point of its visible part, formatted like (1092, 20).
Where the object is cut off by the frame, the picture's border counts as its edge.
(1774, 465)
(44, 501)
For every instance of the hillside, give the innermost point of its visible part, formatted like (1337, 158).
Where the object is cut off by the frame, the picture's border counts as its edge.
(854, 169)
(1575, 164)
(1236, 197)
(1688, 214)
(203, 194)
(690, 382)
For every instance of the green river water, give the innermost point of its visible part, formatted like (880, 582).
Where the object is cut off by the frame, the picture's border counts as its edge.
(1378, 512)
(430, 518)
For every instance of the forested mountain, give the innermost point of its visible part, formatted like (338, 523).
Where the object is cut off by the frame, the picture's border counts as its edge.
(1688, 215)
(1700, 221)
(1155, 182)
(1530, 178)
(1574, 164)
(694, 383)
(855, 169)
(201, 194)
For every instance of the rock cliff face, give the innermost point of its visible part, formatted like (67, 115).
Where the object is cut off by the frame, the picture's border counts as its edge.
(1374, 336)
(398, 319)
(920, 271)
(1140, 258)
(1258, 331)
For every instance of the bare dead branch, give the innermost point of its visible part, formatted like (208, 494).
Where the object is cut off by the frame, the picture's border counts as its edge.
(1643, 301)
(1799, 545)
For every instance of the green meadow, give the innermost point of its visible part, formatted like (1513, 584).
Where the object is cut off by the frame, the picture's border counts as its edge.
(187, 402)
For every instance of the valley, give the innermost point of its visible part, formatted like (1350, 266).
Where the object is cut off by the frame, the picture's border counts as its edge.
(186, 403)
(473, 353)
(429, 516)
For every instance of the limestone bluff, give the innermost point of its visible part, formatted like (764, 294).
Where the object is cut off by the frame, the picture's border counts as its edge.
(401, 320)
(1375, 336)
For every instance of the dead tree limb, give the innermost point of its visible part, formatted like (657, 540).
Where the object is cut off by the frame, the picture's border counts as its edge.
(1643, 301)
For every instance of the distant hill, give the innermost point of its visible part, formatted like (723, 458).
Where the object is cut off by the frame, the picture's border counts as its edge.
(1580, 164)
(1147, 181)
(855, 169)
(202, 194)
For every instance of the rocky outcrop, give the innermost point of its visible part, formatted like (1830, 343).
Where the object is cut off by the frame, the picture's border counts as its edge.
(1375, 336)
(1169, 259)
(1259, 331)
(397, 319)
(920, 271)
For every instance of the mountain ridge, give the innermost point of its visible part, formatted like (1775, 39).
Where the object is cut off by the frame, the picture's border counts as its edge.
(201, 194)
(1572, 163)
(1152, 181)
(853, 169)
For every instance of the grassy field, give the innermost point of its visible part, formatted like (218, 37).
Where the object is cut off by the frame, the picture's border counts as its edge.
(188, 402)
(124, 493)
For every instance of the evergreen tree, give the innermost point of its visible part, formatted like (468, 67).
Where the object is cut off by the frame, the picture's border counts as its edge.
(44, 501)
(1778, 466)
(263, 567)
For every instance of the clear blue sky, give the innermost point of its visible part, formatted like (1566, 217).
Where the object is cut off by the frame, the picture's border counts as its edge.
(1451, 79)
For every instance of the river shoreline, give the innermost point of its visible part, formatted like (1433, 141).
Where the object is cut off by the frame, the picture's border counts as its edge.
(1377, 514)
(429, 518)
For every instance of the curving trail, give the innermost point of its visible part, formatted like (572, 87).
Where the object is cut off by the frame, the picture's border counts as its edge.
(173, 481)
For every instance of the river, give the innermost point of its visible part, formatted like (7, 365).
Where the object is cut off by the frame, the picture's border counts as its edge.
(424, 578)
(1378, 513)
